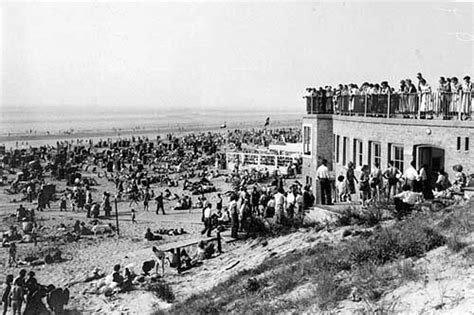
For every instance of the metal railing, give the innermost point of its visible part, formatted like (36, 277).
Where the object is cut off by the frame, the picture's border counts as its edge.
(440, 105)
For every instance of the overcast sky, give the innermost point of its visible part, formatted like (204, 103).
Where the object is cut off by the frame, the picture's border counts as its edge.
(237, 55)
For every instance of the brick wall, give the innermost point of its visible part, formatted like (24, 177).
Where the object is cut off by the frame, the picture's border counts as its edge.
(406, 132)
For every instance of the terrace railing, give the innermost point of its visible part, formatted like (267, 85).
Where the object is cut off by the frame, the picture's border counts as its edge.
(432, 105)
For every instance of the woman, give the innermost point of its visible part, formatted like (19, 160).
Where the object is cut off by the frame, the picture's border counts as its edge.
(425, 101)
(364, 185)
(466, 98)
(351, 179)
(455, 90)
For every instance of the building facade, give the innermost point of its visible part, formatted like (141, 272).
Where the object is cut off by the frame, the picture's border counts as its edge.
(365, 139)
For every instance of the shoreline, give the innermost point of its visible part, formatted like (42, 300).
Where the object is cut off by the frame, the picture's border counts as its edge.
(44, 139)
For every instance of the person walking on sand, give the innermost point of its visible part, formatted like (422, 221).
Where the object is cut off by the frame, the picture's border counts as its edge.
(146, 200)
(133, 217)
(159, 203)
(12, 254)
(6, 294)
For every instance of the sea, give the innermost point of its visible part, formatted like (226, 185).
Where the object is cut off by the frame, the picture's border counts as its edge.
(28, 126)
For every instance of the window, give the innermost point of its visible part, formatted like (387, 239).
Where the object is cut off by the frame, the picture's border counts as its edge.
(396, 154)
(375, 153)
(338, 139)
(358, 152)
(466, 144)
(344, 150)
(459, 144)
(306, 140)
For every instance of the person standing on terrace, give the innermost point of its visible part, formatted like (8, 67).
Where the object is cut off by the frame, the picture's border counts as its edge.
(466, 98)
(425, 101)
(455, 99)
(443, 97)
(412, 97)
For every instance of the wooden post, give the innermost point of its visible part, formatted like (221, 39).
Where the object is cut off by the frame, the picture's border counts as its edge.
(178, 255)
(219, 244)
(388, 105)
(116, 218)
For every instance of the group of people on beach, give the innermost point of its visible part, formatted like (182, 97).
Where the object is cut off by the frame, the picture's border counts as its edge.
(23, 295)
(375, 184)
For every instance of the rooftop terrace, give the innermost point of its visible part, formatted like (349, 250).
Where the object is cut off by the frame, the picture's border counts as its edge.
(433, 105)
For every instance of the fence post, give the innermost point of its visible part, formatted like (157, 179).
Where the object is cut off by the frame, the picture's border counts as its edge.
(116, 218)
(388, 105)
(459, 104)
(365, 105)
(418, 100)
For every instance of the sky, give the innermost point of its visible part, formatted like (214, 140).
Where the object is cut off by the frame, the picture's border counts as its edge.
(220, 55)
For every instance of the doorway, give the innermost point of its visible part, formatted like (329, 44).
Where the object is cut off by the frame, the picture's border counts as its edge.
(432, 157)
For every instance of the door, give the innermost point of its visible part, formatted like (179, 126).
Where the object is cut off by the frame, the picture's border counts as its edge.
(433, 158)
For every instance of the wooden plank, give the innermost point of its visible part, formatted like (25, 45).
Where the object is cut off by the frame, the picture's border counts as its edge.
(185, 243)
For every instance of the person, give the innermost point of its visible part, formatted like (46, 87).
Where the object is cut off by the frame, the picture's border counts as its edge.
(411, 177)
(405, 201)
(364, 185)
(391, 174)
(460, 179)
(34, 234)
(351, 179)
(466, 97)
(116, 276)
(206, 219)
(133, 216)
(146, 200)
(280, 202)
(63, 203)
(31, 285)
(234, 216)
(322, 173)
(424, 182)
(254, 199)
(6, 294)
(425, 101)
(308, 197)
(159, 203)
(442, 182)
(149, 236)
(12, 254)
(17, 296)
(219, 202)
(342, 189)
(376, 181)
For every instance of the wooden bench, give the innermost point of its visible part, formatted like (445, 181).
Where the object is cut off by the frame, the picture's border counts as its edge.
(177, 246)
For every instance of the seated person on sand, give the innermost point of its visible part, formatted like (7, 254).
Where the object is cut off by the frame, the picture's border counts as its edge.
(223, 216)
(96, 274)
(149, 236)
(116, 276)
(405, 201)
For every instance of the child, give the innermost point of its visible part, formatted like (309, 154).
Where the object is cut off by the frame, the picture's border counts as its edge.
(133, 216)
(342, 189)
(62, 205)
(12, 254)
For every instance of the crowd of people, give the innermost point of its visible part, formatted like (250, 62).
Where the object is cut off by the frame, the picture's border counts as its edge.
(374, 184)
(24, 295)
(451, 97)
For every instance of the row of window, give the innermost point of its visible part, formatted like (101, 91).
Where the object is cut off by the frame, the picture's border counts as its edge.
(466, 144)
(395, 152)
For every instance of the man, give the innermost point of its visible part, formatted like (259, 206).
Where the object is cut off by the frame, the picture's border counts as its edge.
(234, 216)
(146, 200)
(254, 199)
(308, 197)
(6, 294)
(206, 219)
(411, 176)
(391, 174)
(159, 203)
(280, 204)
(405, 201)
(323, 176)
(17, 296)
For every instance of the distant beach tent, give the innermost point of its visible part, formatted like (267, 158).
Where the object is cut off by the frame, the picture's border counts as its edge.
(224, 125)
(267, 122)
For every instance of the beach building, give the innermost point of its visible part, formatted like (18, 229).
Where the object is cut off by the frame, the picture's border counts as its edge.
(365, 129)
